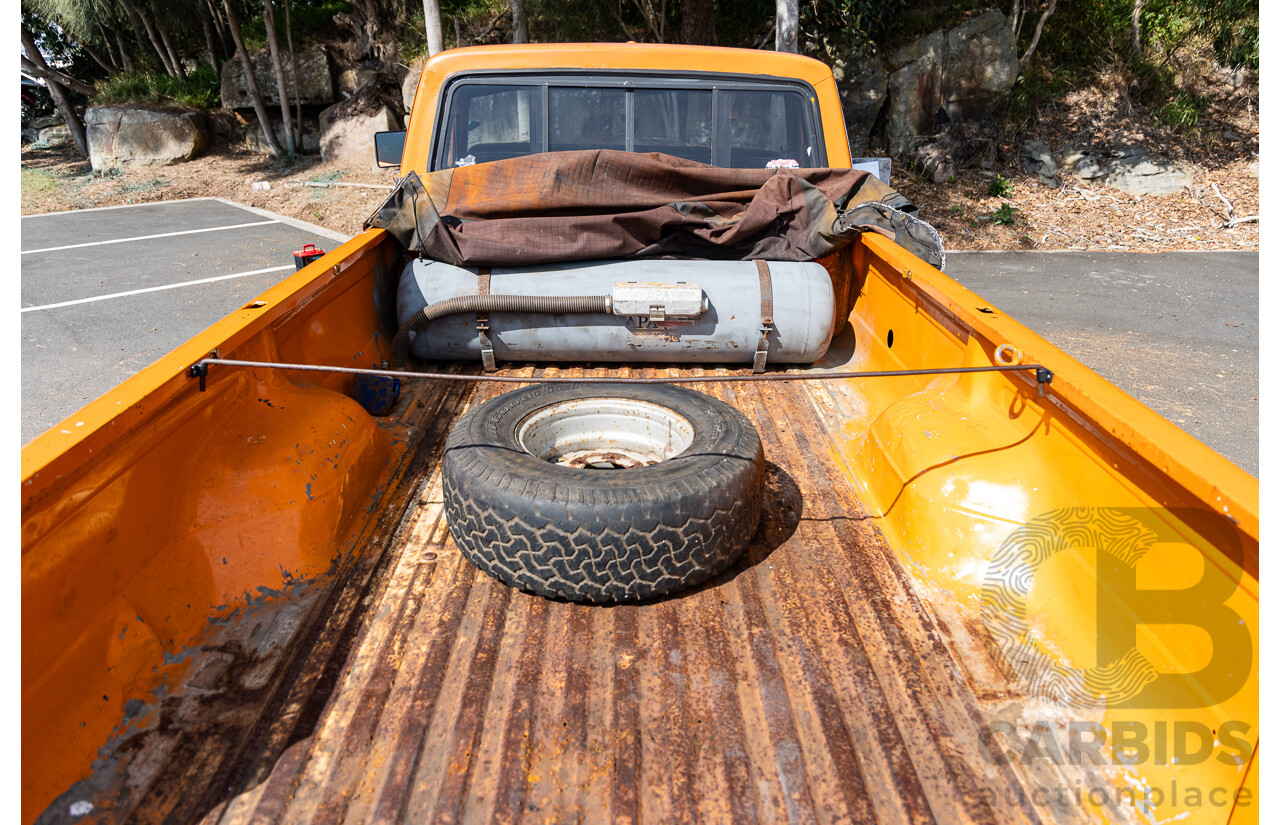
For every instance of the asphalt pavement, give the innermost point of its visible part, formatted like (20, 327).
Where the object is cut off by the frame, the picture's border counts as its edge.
(1176, 330)
(105, 292)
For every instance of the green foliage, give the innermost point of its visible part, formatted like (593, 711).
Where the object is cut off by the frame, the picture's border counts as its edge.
(1004, 215)
(59, 51)
(309, 17)
(1182, 110)
(957, 209)
(201, 89)
(1233, 25)
(57, 48)
(570, 21)
(1000, 187)
(1230, 26)
(849, 26)
(1090, 43)
(413, 41)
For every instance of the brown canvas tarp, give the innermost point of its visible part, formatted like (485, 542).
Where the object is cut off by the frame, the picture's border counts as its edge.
(571, 206)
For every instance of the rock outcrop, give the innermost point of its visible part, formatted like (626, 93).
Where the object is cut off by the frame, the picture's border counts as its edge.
(315, 79)
(864, 88)
(928, 155)
(355, 78)
(123, 135)
(965, 72)
(56, 135)
(409, 87)
(346, 132)
(253, 138)
(1129, 169)
(50, 130)
(1037, 159)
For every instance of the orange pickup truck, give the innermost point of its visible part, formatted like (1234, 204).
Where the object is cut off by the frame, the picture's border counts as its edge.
(947, 572)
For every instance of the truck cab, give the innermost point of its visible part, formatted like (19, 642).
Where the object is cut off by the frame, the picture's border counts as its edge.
(726, 107)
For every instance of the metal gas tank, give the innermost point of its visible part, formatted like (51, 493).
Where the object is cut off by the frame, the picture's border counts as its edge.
(726, 330)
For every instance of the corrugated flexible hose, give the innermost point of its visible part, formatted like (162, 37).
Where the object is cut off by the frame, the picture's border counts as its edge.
(581, 304)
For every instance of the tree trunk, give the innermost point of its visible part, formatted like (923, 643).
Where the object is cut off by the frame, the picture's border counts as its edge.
(519, 27)
(786, 26)
(178, 69)
(216, 16)
(371, 32)
(1135, 28)
(435, 28)
(267, 132)
(617, 16)
(141, 16)
(210, 47)
(110, 68)
(69, 116)
(698, 25)
(655, 19)
(58, 93)
(126, 62)
(107, 67)
(273, 44)
(42, 70)
(293, 69)
(112, 55)
(1035, 36)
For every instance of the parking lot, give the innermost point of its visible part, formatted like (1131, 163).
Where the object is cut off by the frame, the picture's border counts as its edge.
(105, 292)
(1176, 330)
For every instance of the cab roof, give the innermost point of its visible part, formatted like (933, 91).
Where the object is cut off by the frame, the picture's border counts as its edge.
(634, 56)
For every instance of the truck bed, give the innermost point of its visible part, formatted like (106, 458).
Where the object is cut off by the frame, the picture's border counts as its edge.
(808, 683)
(208, 637)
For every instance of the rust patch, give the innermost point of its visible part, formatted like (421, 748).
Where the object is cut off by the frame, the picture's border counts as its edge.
(809, 682)
(247, 688)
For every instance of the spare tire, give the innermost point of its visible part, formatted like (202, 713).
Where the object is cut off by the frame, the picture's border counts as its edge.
(603, 492)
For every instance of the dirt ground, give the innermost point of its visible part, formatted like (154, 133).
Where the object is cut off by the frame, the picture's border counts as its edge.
(1222, 148)
(57, 179)
(1083, 217)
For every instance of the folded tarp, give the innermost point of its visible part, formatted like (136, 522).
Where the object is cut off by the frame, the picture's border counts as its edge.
(591, 204)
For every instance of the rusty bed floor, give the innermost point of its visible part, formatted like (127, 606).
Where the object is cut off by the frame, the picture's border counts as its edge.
(808, 683)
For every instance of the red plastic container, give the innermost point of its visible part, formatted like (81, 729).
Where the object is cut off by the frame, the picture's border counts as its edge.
(305, 255)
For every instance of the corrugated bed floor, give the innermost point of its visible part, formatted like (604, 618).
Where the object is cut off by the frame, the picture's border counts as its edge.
(806, 684)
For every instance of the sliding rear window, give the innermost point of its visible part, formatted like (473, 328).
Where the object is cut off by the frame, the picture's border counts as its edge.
(724, 122)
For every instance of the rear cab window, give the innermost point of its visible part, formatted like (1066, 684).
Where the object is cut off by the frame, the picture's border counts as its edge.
(723, 121)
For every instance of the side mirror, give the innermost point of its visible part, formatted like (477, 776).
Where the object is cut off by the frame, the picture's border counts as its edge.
(388, 148)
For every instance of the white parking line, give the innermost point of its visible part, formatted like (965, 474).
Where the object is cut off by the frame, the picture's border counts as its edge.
(120, 206)
(147, 237)
(157, 288)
